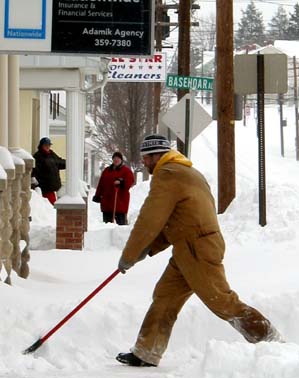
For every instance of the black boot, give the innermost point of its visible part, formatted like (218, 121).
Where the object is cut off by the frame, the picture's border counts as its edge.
(131, 360)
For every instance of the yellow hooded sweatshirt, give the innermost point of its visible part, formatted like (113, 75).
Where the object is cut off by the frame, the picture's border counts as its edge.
(179, 203)
(173, 157)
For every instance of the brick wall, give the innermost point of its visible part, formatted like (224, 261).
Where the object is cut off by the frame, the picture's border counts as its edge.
(70, 227)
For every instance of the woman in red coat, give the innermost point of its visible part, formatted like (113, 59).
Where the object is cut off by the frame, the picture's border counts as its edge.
(113, 190)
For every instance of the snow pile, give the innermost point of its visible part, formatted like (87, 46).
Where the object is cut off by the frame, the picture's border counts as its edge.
(43, 223)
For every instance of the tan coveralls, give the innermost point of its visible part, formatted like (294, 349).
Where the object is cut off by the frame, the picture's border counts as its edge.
(180, 210)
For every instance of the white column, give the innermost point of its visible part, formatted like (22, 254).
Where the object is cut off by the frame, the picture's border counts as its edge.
(71, 208)
(82, 131)
(73, 143)
(4, 100)
(44, 114)
(13, 101)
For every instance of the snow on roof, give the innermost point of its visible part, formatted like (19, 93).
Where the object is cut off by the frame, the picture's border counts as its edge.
(291, 48)
(208, 57)
(270, 49)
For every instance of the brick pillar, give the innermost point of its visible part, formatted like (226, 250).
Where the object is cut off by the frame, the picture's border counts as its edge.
(86, 214)
(70, 224)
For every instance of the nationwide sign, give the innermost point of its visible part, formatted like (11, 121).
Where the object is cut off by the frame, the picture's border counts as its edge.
(102, 27)
(138, 69)
(25, 25)
(189, 82)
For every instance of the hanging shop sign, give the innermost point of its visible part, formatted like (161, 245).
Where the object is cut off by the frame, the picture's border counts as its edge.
(138, 69)
(102, 27)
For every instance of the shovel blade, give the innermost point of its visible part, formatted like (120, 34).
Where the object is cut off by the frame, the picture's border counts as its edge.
(33, 347)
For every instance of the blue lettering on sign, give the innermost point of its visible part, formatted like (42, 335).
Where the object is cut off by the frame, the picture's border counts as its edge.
(24, 33)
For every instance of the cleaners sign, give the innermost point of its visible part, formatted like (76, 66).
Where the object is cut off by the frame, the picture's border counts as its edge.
(138, 69)
(102, 27)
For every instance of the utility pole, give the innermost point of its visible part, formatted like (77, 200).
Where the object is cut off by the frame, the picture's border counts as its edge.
(296, 107)
(158, 47)
(183, 51)
(225, 104)
(184, 13)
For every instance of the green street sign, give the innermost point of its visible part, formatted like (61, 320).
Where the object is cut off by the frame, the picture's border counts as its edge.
(189, 82)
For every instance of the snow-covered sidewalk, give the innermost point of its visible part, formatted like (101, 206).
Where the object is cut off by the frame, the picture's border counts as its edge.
(261, 265)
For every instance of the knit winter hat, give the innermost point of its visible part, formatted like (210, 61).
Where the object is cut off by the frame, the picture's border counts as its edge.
(118, 154)
(153, 144)
(45, 140)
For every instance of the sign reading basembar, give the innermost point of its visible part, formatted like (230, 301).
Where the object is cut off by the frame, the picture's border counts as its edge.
(105, 27)
(189, 82)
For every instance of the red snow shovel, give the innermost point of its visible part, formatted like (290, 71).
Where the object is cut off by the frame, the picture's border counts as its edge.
(115, 201)
(40, 341)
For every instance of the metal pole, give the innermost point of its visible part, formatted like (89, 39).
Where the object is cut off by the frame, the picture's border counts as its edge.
(296, 108)
(244, 110)
(280, 101)
(187, 128)
(191, 119)
(202, 71)
(261, 138)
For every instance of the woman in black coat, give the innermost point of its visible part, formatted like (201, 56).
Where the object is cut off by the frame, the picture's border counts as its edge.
(46, 171)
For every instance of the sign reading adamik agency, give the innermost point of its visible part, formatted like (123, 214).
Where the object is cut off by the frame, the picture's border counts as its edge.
(102, 27)
(122, 27)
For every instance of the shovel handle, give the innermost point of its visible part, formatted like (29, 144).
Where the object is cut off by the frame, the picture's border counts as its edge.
(41, 340)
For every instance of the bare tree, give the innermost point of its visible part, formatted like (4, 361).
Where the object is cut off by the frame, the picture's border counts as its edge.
(127, 115)
(204, 36)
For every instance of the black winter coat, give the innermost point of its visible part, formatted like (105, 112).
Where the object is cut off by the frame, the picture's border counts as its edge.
(46, 171)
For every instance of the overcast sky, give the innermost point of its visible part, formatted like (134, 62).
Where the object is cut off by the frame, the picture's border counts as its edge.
(267, 7)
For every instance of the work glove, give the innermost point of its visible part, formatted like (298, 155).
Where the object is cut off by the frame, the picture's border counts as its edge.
(96, 199)
(124, 266)
(119, 183)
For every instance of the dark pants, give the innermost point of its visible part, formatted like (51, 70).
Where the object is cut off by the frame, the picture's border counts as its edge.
(197, 271)
(120, 218)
